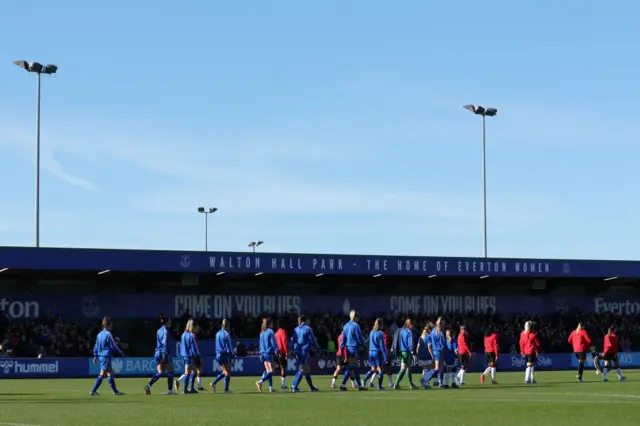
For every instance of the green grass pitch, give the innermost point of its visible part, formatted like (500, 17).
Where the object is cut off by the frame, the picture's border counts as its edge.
(556, 400)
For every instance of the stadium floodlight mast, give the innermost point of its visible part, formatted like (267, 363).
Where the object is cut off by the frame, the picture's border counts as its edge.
(254, 244)
(206, 213)
(38, 69)
(484, 112)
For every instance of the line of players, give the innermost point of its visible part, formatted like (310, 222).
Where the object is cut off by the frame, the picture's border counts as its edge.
(582, 344)
(436, 347)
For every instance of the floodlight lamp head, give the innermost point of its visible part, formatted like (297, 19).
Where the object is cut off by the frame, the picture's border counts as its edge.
(471, 108)
(201, 210)
(49, 69)
(259, 243)
(212, 209)
(37, 67)
(252, 244)
(491, 112)
(22, 64)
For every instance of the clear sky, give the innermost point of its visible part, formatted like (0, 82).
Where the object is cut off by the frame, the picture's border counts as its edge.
(325, 126)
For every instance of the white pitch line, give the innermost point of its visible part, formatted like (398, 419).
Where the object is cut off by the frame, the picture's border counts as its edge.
(498, 398)
(552, 401)
(598, 395)
(18, 424)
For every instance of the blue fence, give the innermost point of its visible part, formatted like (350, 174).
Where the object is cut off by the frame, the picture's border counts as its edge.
(30, 368)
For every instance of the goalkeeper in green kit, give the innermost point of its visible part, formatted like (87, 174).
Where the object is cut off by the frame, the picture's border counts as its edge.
(407, 353)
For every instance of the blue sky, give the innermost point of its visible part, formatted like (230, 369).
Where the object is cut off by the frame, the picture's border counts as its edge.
(328, 126)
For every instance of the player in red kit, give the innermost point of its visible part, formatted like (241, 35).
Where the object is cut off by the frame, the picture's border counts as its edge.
(530, 348)
(581, 342)
(491, 351)
(610, 354)
(281, 340)
(341, 363)
(464, 354)
(521, 343)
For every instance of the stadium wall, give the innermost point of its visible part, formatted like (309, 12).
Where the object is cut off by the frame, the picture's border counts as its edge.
(30, 368)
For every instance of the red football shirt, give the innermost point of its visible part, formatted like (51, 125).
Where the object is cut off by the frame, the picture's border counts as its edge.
(580, 341)
(491, 343)
(531, 344)
(281, 340)
(611, 344)
(342, 352)
(463, 344)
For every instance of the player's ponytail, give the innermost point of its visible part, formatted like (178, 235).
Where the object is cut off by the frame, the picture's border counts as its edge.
(439, 324)
(225, 324)
(189, 326)
(377, 325)
(408, 323)
(579, 327)
(265, 325)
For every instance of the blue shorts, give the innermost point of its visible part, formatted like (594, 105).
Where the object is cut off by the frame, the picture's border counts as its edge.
(159, 359)
(303, 357)
(374, 359)
(352, 352)
(268, 357)
(437, 356)
(188, 360)
(223, 359)
(425, 357)
(105, 363)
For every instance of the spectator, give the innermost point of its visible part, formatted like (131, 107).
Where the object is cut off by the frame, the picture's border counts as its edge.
(53, 336)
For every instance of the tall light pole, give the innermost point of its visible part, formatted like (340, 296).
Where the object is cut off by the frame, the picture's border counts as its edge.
(484, 112)
(254, 244)
(206, 212)
(38, 69)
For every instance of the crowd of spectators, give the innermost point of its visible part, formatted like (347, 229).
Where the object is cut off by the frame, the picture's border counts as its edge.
(553, 330)
(48, 335)
(52, 336)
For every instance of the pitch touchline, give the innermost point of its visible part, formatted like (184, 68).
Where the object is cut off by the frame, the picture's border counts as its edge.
(600, 395)
(532, 401)
(17, 424)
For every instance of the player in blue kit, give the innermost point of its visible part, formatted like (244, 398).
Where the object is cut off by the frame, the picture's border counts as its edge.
(352, 340)
(425, 356)
(224, 356)
(105, 349)
(268, 351)
(197, 362)
(377, 353)
(190, 353)
(304, 345)
(438, 342)
(162, 356)
(450, 359)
